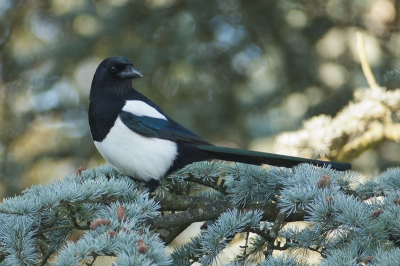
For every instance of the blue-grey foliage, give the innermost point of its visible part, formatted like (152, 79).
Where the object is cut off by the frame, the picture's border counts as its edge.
(249, 183)
(282, 260)
(39, 222)
(349, 222)
(209, 244)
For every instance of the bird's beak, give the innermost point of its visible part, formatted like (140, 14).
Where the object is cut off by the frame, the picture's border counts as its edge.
(130, 73)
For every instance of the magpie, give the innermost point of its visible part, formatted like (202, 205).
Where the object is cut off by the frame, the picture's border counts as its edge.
(134, 135)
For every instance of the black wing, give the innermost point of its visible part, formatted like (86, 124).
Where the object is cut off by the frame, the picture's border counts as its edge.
(160, 128)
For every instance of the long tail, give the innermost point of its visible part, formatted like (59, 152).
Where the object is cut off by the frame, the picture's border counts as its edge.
(259, 158)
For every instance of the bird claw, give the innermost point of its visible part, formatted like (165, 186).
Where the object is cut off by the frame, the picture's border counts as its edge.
(152, 185)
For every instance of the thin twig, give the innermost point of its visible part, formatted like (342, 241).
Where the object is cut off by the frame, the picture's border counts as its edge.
(92, 262)
(45, 257)
(274, 233)
(245, 245)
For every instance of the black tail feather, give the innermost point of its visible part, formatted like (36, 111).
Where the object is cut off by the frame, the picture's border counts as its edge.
(259, 158)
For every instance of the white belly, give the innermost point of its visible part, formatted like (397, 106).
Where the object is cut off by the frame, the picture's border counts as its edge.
(137, 156)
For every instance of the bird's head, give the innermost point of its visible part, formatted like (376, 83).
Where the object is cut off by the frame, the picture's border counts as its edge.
(114, 75)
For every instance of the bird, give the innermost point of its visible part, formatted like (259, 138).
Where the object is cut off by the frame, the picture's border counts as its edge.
(140, 140)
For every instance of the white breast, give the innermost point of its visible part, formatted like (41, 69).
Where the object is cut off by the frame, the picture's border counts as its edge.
(137, 156)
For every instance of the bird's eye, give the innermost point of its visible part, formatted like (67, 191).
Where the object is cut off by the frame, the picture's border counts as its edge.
(113, 69)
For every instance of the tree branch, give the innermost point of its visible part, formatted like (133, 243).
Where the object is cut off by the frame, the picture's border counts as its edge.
(209, 212)
(210, 184)
(197, 209)
(172, 202)
(175, 232)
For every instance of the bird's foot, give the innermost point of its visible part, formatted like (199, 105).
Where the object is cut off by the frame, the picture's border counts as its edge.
(152, 185)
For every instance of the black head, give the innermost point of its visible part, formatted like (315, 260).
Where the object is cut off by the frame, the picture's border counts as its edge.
(114, 76)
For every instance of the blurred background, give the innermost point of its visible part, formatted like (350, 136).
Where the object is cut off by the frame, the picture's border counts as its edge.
(236, 72)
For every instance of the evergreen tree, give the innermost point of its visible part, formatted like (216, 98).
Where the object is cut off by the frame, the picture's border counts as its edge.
(350, 220)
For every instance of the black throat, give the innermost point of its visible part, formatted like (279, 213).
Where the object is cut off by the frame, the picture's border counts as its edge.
(117, 87)
(104, 109)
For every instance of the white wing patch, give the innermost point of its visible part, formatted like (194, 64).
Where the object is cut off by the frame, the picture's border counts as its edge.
(134, 155)
(140, 108)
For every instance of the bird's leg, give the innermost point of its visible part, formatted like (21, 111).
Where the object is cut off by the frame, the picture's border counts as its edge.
(152, 185)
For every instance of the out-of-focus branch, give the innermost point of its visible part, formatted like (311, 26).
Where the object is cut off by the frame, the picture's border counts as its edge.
(392, 132)
(376, 134)
(363, 124)
(364, 61)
